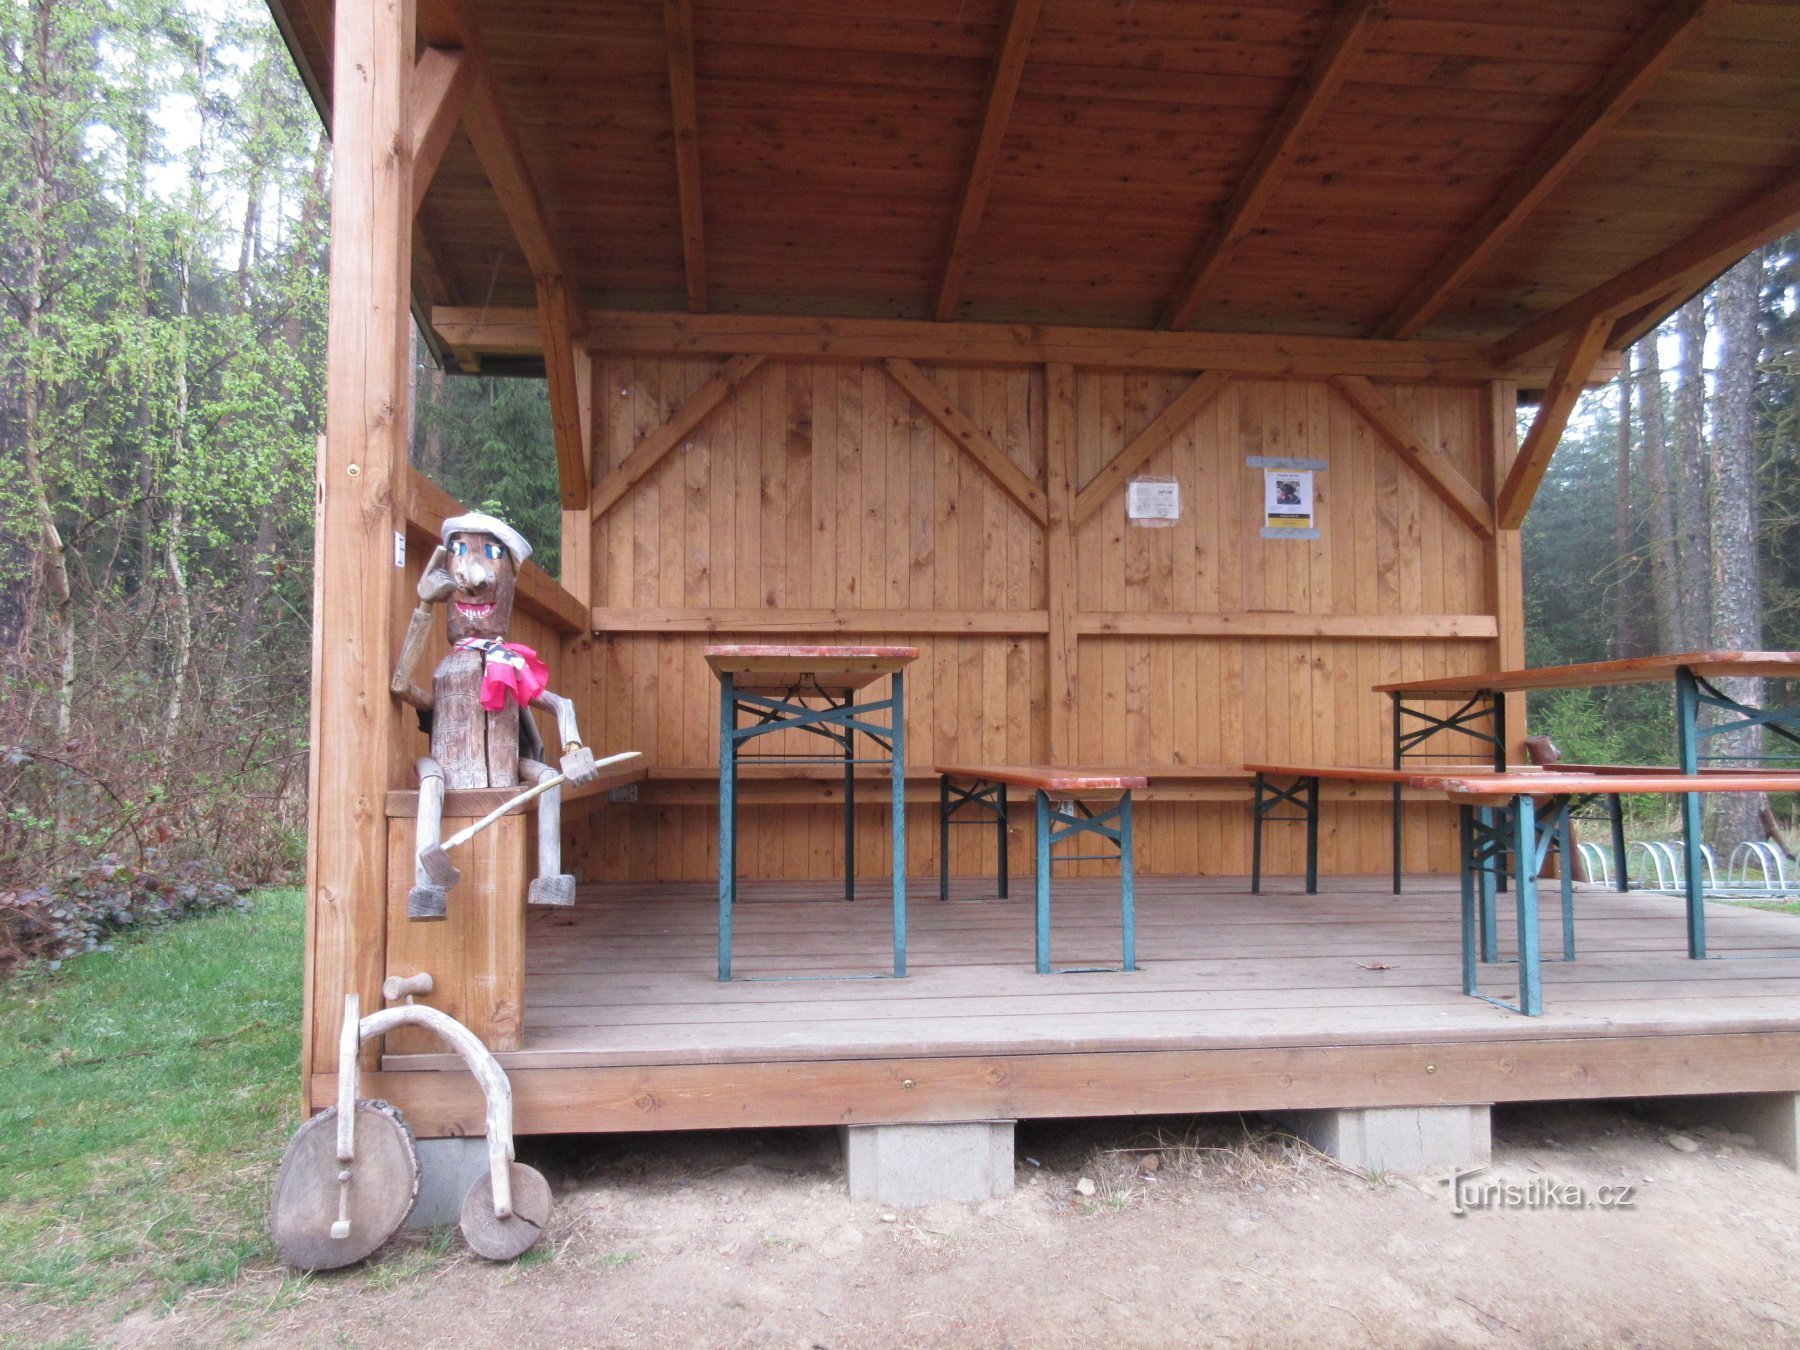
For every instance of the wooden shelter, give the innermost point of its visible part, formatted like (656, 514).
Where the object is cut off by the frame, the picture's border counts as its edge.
(857, 318)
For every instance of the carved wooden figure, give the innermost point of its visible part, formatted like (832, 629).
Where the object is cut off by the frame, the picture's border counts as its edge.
(480, 737)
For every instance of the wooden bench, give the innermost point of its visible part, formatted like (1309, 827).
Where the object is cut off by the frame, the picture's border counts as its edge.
(1516, 814)
(1302, 794)
(984, 787)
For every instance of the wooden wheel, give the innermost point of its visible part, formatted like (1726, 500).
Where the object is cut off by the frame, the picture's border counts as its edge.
(384, 1182)
(503, 1239)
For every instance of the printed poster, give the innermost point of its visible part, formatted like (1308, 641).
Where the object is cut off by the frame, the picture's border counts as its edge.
(1288, 499)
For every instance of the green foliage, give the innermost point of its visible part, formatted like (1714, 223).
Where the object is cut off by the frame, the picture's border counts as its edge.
(489, 443)
(162, 229)
(78, 911)
(146, 1094)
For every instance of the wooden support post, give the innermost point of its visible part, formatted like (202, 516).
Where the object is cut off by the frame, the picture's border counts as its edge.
(564, 368)
(1565, 387)
(359, 746)
(1059, 557)
(577, 526)
(1507, 593)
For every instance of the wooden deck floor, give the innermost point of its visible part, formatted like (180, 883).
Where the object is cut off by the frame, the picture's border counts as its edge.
(1350, 997)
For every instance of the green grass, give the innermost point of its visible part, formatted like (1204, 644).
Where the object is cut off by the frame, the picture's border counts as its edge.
(146, 1094)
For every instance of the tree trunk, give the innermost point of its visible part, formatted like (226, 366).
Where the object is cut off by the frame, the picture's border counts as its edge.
(53, 553)
(262, 560)
(1736, 575)
(1660, 513)
(1693, 565)
(1625, 610)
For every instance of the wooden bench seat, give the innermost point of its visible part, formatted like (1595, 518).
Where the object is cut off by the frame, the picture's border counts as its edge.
(983, 787)
(475, 803)
(1302, 796)
(1516, 814)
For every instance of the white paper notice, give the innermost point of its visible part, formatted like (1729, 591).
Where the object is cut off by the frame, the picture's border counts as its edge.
(1153, 501)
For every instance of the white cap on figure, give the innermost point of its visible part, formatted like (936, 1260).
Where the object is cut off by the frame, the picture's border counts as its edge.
(476, 522)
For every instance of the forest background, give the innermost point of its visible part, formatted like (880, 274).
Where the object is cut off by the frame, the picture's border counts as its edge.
(163, 247)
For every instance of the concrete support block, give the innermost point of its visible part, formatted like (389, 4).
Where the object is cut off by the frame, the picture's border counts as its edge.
(1398, 1139)
(447, 1168)
(1771, 1118)
(922, 1164)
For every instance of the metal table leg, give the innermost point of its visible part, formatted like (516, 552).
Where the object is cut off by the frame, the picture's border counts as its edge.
(1687, 750)
(727, 817)
(897, 687)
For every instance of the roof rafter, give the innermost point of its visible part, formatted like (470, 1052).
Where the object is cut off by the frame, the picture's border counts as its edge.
(996, 114)
(1325, 74)
(1705, 253)
(1646, 58)
(684, 102)
(445, 23)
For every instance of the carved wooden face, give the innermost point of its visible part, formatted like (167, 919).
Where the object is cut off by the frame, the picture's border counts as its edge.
(485, 575)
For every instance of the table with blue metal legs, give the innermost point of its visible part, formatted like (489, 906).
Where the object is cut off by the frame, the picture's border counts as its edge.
(766, 690)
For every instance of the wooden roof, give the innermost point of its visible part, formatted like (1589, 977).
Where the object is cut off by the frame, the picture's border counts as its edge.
(1464, 170)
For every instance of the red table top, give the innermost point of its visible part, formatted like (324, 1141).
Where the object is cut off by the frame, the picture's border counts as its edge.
(829, 669)
(1635, 670)
(1048, 777)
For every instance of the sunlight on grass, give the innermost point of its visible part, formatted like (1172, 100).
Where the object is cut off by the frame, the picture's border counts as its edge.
(146, 1094)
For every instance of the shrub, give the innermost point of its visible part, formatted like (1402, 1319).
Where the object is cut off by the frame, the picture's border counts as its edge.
(81, 908)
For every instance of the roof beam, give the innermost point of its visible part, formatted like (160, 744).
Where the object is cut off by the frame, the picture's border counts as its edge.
(1325, 74)
(441, 80)
(1565, 387)
(1646, 58)
(498, 331)
(976, 443)
(1162, 429)
(996, 113)
(684, 103)
(445, 23)
(1433, 466)
(655, 446)
(1705, 253)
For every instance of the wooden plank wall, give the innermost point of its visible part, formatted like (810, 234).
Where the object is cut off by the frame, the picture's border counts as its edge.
(821, 486)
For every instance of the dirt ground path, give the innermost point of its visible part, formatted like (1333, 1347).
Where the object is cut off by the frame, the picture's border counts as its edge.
(1212, 1238)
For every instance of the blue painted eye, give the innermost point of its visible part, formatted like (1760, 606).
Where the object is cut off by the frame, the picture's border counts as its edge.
(493, 552)
(460, 547)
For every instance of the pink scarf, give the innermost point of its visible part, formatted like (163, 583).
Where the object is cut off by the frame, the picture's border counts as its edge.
(510, 668)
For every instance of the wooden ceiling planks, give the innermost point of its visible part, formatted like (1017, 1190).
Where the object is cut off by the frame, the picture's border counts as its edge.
(832, 142)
